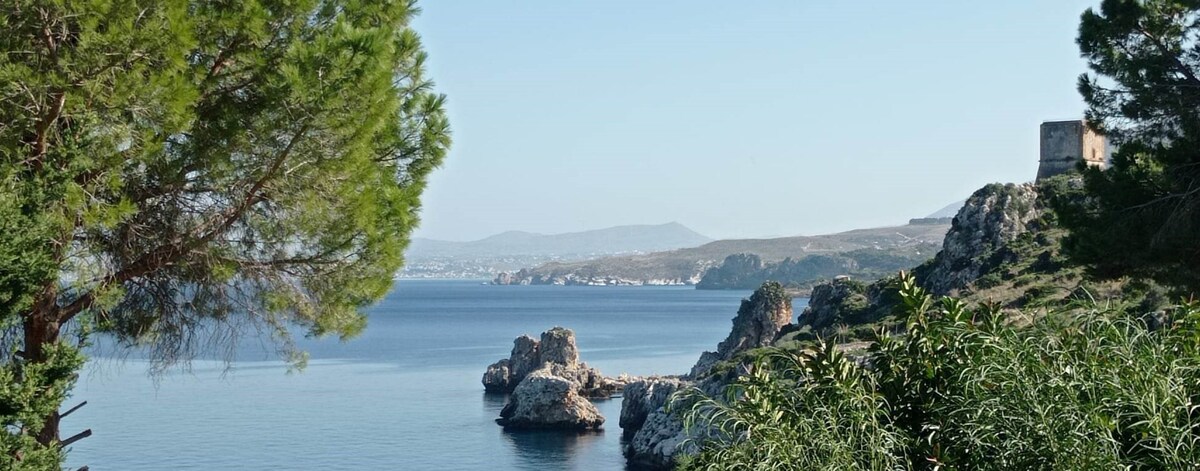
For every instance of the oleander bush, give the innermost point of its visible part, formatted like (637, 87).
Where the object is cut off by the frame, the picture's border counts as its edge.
(966, 388)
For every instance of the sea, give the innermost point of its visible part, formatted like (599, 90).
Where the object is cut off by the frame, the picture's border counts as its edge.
(404, 395)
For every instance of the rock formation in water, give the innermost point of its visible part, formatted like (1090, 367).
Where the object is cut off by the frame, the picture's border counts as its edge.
(545, 401)
(556, 352)
(549, 384)
(504, 375)
(756, 325)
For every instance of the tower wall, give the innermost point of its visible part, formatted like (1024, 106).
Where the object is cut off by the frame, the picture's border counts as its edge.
(1065, 143)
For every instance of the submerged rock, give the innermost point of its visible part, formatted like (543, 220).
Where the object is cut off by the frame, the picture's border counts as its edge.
(546, 401)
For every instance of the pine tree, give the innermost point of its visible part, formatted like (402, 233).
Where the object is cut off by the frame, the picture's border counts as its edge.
(173, 172)
(1143, 217)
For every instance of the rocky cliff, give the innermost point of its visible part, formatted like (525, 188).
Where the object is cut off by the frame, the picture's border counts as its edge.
(1003, 247)
(758, 321)
(995, 216)
(653, 435)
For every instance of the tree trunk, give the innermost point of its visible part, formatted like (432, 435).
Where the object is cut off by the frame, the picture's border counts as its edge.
(42, 328)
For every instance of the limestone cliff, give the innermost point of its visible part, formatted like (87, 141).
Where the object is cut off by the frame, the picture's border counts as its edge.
(653, 435)
(992, 218)
(1003, 247)
(757, 323)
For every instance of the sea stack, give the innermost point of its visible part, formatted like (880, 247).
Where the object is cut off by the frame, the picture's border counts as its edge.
(550, 387)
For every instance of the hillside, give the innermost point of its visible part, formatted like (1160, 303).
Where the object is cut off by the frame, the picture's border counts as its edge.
(686, 266)
(1004, 249)
(515, 249)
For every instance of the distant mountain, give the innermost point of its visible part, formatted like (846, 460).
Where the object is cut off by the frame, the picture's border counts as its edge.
(948, 211)
(613, 240)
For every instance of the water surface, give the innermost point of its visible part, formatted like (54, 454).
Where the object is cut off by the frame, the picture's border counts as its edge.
(404, 395)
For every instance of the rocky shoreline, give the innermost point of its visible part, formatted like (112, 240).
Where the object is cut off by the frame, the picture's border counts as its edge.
(550, 388)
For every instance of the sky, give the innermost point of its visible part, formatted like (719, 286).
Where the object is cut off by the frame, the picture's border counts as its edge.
(737, 119)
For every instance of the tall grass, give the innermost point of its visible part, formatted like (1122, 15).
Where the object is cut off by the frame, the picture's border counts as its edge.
(963, 390)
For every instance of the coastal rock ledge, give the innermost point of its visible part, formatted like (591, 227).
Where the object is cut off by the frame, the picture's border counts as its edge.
(549, 386)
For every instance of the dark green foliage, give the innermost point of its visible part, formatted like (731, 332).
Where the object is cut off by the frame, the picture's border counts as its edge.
(961, 389)
(747, 271)
(1143, 217)
(178, 174)
(29, 393)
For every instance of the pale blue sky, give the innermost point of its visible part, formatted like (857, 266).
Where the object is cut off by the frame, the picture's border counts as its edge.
(737, 119)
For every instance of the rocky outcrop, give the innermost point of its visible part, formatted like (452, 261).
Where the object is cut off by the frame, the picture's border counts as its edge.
(549, 384)
(504, 375)
(546, 401)
(758, 321)
(558, 347)
(645, 396)
(556, 351)
(651, 435)
(992, 217)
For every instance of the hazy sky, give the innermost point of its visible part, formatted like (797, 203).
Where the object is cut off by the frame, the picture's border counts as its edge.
(737, 119)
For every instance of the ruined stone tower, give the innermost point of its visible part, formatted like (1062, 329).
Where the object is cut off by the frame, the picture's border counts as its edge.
(1065, 143)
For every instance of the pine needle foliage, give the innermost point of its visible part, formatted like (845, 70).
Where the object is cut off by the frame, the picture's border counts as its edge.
(177, 174)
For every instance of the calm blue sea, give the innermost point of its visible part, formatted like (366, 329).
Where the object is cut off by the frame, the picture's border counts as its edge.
(403, 396)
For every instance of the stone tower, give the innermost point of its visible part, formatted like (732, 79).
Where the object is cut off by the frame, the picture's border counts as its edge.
(1066, 143)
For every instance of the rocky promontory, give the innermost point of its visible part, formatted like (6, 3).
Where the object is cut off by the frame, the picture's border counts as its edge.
(653, 435)
(757, 323)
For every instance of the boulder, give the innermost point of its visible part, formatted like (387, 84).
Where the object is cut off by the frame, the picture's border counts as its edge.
(546, 401)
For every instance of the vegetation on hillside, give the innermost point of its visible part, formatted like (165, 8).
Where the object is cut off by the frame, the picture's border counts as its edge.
(747, 271)
(1062, 348)
(1097, 387)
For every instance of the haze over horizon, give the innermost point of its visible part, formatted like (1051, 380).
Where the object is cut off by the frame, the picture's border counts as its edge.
(772, 119)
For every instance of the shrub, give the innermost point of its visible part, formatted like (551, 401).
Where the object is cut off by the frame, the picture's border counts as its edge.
(961, 389)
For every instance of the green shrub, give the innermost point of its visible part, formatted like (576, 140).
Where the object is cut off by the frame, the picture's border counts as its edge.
(961, 389)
